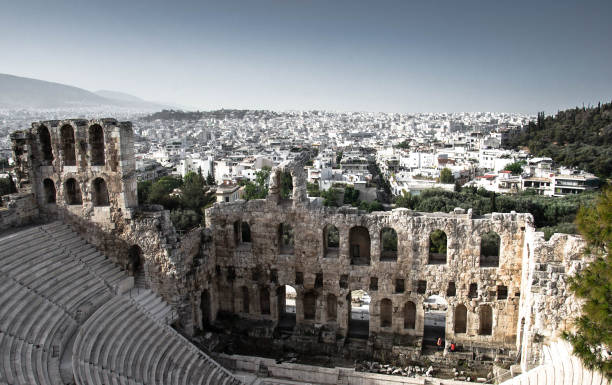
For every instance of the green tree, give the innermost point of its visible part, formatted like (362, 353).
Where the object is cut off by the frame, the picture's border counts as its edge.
(516, 167)
(351, 196)
(144, 189)
(446, 176)
(330, 197)
(338, 157)
(161, 190)
(592, 339)
(286, 185)
(195, 195)
(210, 179)
(259, 188)
(313, 190)
(7, 186)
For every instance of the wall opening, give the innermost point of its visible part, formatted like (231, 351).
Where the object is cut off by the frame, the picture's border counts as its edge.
(502, 292)
(388, 239)
(434, 323)
(438, 243)
(399, 285)
(205, 308)
(49, 190)
(373, 283)
(286, 185)
(473, 291)
(331, 241)
(245, 300)
(96, 145)
(332, 307)
(318, 280)
(136, 265)
(359, 245)
(485, 314)
(299, 278)
(386, 313)
(245, 229)
(285, 239)
(100, 192)
(409, 315)
(343, 282)
(359, 314)
(451, 290)
(45, 144)
(264, 300)
(72, 192)
(68, 146)
(421, 287)
(489, 249)
(460, 319)
(287, 297)
(310, 305)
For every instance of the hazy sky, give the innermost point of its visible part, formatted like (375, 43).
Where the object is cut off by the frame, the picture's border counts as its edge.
(399, 56)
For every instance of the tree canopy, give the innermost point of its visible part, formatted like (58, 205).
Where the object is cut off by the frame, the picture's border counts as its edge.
(592, 340)
(259, 188)
(186, 198)
(578, 137)
(446, 176)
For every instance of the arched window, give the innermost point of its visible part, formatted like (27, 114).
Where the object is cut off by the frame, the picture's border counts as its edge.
(49, 190)
(96, 144)
(486, 320)
(331, 241)
(489, 249)
(264, 300)
(359, 245)
(286, 185)
(386, 310)
(437, 247)
(72, 192)
(332, 307)
(285, 238)
(68, 147)
(100, 193)
(409, 315)
(310, 305)
(388, 240)
(245, 299)
(45, 144)
(460, 319)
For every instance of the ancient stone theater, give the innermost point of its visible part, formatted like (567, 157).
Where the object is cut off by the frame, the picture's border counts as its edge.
(98, 289)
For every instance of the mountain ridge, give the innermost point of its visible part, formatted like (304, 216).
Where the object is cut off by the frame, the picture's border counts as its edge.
(23, 92)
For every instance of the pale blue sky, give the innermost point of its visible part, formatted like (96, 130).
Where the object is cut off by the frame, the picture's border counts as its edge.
(399, 56)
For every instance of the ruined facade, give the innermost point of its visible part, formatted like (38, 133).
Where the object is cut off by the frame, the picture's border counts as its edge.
(498, 286)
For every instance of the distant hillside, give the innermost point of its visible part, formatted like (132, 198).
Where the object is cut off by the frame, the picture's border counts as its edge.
(217, 114)
(118, 96)
(20, 92)
(579, 137)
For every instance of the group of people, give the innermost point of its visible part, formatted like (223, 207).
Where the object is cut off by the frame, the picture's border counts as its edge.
(451, 348)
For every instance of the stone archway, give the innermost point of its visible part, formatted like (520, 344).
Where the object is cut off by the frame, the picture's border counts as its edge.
(434, 323)
(358, 314)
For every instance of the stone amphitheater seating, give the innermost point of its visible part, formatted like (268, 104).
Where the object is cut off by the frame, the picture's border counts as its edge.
(560, 367)
(53, 286)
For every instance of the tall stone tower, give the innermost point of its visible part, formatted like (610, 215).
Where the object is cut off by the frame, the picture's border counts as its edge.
(79, 167)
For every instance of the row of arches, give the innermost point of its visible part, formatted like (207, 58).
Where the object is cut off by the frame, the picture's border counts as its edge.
(68, 144)
(359, 312)
(72, 192)
(360, 244)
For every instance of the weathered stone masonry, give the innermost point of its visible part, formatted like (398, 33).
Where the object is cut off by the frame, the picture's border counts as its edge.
(82, 171)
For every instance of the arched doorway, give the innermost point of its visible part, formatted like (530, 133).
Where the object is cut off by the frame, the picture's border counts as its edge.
(136, 266)
(287, 297)
(434, 325)
(359, 314)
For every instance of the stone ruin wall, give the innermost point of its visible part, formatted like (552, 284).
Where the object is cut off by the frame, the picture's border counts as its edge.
(180, 267)
(114, 227)
(548, 306)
